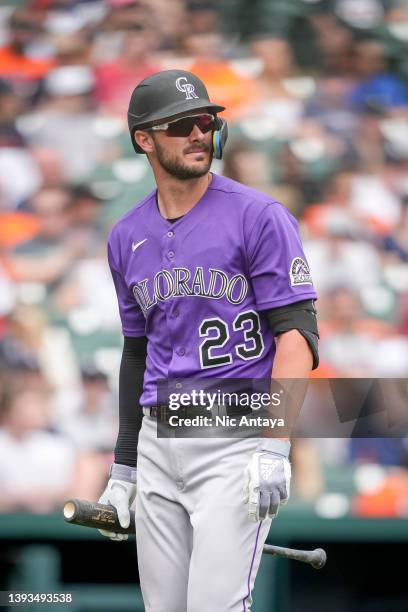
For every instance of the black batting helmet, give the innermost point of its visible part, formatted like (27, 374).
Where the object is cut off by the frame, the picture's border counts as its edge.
(165, 95)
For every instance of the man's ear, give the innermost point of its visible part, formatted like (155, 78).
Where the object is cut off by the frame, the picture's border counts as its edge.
(144, 140)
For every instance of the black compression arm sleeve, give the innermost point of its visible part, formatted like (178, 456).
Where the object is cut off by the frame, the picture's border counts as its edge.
(131, 374)
(300, 316)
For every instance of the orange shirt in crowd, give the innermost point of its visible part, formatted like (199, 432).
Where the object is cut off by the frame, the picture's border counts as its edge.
(17, 66)
(225, 86)
(16, 227)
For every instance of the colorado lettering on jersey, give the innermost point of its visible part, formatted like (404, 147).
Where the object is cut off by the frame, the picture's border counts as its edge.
(182, 282)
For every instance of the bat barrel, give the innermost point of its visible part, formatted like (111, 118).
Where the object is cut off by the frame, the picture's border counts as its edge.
(316, 558)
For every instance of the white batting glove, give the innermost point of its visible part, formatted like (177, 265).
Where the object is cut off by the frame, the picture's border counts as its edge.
(120, 492)
(267, 480)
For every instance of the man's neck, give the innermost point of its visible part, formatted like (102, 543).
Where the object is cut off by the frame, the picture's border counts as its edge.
(176, 198)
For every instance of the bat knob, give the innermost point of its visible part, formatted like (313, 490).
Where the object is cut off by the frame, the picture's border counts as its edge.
(319, 558)
(69, 510)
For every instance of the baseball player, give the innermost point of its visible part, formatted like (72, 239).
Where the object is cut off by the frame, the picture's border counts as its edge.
(212, 282)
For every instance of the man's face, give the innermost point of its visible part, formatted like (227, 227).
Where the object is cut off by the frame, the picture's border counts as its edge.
(184, 157)
(51, 208)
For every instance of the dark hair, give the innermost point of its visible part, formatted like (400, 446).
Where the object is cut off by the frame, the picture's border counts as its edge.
(83, 191)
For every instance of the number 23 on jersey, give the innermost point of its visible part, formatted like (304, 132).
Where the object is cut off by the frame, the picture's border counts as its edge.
(216, 334)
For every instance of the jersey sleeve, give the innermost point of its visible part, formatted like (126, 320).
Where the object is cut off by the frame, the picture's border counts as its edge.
(278, 268)
(132, 318)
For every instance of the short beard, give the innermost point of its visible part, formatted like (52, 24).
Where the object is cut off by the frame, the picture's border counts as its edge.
(176, 168)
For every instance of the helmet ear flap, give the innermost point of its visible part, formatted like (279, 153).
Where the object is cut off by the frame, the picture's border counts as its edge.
(220, 135)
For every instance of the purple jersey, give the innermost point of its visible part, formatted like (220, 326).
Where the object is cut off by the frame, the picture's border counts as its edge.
(196, 287)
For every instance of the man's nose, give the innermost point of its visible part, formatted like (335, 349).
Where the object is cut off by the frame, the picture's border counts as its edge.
(196, 133)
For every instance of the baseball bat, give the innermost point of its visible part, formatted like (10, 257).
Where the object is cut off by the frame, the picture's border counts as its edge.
(103, 516)
(316, 558)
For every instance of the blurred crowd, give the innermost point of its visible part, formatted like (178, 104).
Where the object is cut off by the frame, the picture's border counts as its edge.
(317, 104)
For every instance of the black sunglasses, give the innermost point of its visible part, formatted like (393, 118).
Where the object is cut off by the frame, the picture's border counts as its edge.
(183, 127)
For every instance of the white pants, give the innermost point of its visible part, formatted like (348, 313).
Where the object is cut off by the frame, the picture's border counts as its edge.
(197, 549)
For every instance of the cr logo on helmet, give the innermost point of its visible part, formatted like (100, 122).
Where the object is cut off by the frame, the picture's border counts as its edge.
(186, 88)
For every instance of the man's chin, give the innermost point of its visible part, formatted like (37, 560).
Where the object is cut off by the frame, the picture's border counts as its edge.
(192, 173)
(195, 169)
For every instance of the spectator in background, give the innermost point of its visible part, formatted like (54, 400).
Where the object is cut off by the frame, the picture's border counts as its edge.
(376, 85)
(368, 200)
(89, 418)
(342, 257)
(49, 254)
(356, 345)
(86, 293)
(34, 351)
(85, 209)
(49, 166)
(280, 93)
(369, 140)
(328, 106)
(24, 27)
(72, 49)
(123, 14)
(115, 80)
(374, 198)
(37, 468)
(21, 344)
(65, 121)
(247, 164)
(334, 41)
(86, 288)
(170, 21)
(51, 207)
(203, 15)
(294, 174)
(19, 175)
(206, 52)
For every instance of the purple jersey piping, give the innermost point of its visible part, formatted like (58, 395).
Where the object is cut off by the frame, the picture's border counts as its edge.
(244, 601)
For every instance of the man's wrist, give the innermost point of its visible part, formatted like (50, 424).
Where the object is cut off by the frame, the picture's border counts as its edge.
(118, 471)
(274, 445)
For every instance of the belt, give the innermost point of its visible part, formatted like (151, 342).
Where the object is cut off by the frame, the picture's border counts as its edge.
(163, 412)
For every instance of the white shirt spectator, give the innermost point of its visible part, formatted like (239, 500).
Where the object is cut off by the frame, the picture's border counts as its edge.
(40, 460)
(342, 262)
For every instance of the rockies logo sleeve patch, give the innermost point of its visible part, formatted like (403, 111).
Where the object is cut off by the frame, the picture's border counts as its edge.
(299, 272)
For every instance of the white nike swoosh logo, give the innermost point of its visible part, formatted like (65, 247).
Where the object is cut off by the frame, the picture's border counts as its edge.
(135, 245)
